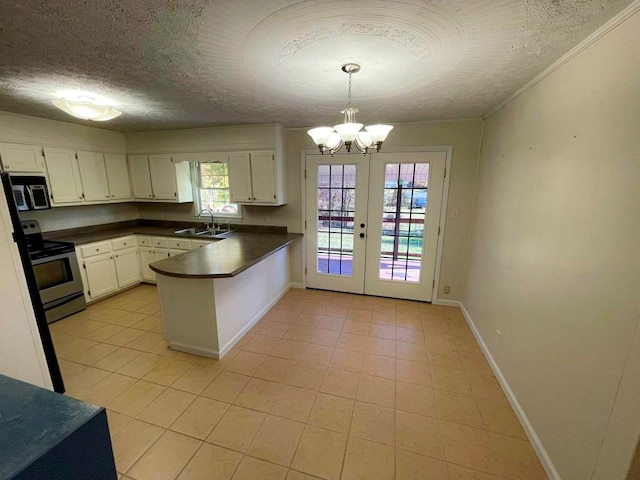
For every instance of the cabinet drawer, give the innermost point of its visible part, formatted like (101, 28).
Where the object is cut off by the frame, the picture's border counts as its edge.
(144, 241)
(94, 249)
(124, 242)
(199, 243)
(179, 243)
(159, 242)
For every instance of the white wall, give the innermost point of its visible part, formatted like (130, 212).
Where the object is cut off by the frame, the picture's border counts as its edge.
(554, 259)
(50, 133)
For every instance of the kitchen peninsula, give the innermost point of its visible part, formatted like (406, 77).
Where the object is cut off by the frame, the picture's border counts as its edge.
(210, 297)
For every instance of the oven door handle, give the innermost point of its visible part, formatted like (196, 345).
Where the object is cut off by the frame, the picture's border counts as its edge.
(54, 258)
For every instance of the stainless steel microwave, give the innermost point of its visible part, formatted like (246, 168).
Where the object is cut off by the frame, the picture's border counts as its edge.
(30, 192)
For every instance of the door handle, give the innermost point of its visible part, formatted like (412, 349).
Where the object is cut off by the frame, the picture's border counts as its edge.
(362, 235)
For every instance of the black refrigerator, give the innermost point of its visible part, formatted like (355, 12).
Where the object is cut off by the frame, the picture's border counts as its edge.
(38, 309)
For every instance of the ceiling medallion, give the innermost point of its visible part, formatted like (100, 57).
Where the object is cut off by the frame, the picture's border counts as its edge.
(350, 133)
(86, 108)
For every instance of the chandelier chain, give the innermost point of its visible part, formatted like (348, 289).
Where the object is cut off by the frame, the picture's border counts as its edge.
(349, 97)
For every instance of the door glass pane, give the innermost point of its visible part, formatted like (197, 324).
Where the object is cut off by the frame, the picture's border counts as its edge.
(403, 221)
(336, 208)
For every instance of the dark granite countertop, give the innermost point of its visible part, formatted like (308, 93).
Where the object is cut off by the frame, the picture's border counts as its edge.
(225, 258)
(90, 237)
(159, 228)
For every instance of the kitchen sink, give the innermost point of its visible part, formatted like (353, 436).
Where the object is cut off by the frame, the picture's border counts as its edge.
(190, 232)
(215, 233)
(208, 233)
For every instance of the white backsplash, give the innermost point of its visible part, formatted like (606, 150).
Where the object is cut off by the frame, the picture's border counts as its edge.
(82, 216)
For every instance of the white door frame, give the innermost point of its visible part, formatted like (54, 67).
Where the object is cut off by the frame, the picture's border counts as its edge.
(443, 207)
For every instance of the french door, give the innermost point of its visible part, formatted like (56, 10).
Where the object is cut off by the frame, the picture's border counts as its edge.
(373, 222)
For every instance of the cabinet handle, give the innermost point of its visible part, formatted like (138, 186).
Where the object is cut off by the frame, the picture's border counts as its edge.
(97, 249)
(150, 196)
(249, 198)
(254, 198)
(112, 195)
(175, 194)
(7, 166)
(107, 196)
(80, 197)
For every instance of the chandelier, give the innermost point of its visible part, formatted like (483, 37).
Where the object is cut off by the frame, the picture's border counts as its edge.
(350, 133)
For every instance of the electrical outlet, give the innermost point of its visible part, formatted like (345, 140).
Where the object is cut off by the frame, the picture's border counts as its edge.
(498, 333)
(266, 219)
(447, 289)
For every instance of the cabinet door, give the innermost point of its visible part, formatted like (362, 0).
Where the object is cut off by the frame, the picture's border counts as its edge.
(21, 158)
(264, 177)
(163, 177)
(147, 256)
(101, 275)
(64, 176)
(127, 267)
(240, 177)
(140, 177)
(118, 177)
(94, 177)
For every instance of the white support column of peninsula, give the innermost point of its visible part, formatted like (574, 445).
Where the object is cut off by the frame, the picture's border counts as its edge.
(208, 316)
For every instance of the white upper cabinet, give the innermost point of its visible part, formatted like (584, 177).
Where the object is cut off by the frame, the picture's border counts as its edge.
(94, 177)
(140, 177)
(118, 177)
(256, 177)
(160, 178)
(263, 169)
(64, 176)
(21, 158)
(240, 177)
(163, 177)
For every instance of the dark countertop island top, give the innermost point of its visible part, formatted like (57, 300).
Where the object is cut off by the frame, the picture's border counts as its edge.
(225, 258)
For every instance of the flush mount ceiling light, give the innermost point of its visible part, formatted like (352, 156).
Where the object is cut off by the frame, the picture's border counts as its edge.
(87, 108)
(350, 133)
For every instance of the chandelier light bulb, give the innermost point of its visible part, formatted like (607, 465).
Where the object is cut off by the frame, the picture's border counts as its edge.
(350, 132)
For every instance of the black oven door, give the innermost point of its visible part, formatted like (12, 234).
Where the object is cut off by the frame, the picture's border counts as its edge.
(57, 277)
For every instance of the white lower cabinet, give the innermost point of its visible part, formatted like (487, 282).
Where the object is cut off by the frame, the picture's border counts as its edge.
(127, 263)
(112, 265)
(101, 275)
(147, 256)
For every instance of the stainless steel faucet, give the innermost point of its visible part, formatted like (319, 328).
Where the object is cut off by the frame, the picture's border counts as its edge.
(210, 212)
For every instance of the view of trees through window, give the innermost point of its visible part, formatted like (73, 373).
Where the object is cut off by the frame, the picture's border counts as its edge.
(214, 189)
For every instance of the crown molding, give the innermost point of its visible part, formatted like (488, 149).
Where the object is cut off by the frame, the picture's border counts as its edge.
(620, 18)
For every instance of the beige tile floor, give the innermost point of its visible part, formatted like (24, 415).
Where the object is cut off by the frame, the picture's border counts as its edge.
(326, 385)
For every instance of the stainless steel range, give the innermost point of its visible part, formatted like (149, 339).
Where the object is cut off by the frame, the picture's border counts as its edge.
(57, 273)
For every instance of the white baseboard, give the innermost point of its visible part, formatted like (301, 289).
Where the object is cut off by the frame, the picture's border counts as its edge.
(203, 352)
(297, 285)
(447, 303)
(545, 460)
(236, 338)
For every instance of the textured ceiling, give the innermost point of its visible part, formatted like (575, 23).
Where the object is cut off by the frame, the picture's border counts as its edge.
(181, 64)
